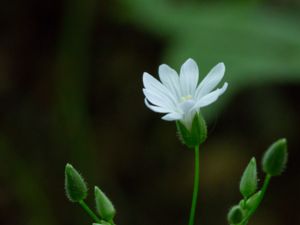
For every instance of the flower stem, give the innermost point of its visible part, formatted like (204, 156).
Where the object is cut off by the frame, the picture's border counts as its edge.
(196, 187)
(89, 211)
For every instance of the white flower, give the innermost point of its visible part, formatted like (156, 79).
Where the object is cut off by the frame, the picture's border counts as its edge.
(180, 97)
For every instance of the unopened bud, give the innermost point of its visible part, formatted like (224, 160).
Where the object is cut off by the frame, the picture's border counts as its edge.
(275, 158)
(235, 215)
(103, 205)
(248, 183)
(75, 186)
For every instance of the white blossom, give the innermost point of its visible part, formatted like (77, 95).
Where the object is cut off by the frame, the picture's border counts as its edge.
(180, 97)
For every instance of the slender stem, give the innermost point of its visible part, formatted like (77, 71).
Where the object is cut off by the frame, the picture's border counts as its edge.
(89, 211)
(265, 186)
(196, 187)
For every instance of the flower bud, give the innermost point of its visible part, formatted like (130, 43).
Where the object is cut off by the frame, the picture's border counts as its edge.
(103, 205)
(235, 215)
(248, 183)
(194, 136)
(254, 200)
(75, 186)
(275, 158)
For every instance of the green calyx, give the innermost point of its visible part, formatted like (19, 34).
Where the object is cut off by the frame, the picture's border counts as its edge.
(275, 158)
(194, 136)
(248, 183)
(104, 206)
(75, 186)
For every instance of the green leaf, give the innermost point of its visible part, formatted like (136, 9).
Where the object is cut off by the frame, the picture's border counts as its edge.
(248, 183)
(75, 186)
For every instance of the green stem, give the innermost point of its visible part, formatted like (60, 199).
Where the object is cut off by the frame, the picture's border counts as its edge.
(196, 187)
(265, 186)
(263, 191)
(89, 211)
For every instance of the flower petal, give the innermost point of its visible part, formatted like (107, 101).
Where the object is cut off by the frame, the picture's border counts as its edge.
(211, 80)
(211, 97)
(170, 79)
(157, 109)
(153, 85)
(172, 116)
(158, 100)
(189, 75)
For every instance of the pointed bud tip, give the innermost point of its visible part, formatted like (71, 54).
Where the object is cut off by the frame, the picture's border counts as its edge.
(68, 166)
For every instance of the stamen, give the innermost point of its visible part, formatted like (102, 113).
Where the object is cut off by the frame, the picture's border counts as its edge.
(186, 98)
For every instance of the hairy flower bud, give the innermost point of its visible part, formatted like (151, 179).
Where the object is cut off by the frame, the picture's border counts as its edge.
(248, 183)
(275, 158)
(75, 186)
(254, 200)
(103, 205)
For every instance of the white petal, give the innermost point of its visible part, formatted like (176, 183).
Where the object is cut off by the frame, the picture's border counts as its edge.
(211, 80)
(172, 116)
(189, 75)
(170, 79)
(153, 85)
(156, 108)
(158, 100)
(211, 97)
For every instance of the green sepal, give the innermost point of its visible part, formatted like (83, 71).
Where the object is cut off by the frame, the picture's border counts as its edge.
(235, 215)
(248, 183)
(194, 136)
(275, 158)
(75, 186)
(104, 206)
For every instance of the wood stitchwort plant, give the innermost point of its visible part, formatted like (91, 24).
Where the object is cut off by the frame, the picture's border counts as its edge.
(180, 98)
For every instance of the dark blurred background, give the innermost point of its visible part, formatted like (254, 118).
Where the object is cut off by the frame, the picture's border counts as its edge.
(71, 91)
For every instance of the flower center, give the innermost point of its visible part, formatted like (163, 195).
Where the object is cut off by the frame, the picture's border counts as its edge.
(186, 98)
